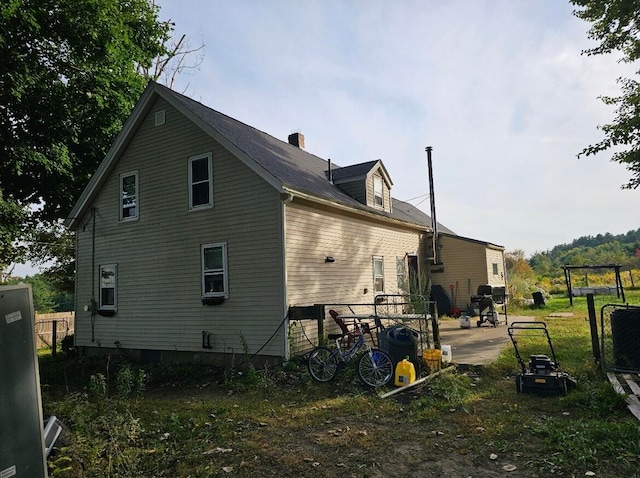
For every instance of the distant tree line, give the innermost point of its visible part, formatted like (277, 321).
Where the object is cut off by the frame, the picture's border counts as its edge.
(543, 272)
(603, 249)
(46, 296)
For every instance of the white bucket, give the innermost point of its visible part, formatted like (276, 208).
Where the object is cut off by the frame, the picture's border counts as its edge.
(446, 354)
(465, 322)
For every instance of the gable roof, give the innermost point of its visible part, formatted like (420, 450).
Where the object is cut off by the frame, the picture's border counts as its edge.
(358, 171)
(287, 168)
(489, 245)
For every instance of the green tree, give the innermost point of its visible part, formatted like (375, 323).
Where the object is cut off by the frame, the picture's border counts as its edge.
(71, 72)
(616, 26)
(44, 297)
(517, 264)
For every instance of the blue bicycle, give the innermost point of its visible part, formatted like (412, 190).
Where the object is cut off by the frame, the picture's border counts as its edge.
(375, 367)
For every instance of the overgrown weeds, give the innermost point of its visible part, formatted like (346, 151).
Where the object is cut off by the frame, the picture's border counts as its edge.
(197, 421)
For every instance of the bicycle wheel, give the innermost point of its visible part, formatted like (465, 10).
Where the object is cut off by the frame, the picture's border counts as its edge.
(322, 364)
(375, 368)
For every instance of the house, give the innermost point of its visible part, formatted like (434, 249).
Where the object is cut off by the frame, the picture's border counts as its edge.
(198, 232)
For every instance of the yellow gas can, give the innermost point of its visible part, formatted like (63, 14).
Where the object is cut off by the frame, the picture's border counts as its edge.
(405, 373)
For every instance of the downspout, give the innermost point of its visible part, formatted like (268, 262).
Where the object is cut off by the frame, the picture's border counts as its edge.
(432, 200)
(93, 274)
(285, 302)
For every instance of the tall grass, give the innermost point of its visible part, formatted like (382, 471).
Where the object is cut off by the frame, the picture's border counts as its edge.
(191, 421)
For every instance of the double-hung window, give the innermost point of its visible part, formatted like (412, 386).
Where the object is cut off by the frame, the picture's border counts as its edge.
(377, 191)
(108, 287)
(200, 181)
(400, 274)
(129, 196)
(214, 270)
(378, 275)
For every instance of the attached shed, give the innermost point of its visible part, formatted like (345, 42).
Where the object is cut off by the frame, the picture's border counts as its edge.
(466, 264)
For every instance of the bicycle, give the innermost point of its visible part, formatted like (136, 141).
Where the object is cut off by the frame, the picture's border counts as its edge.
(375, 367)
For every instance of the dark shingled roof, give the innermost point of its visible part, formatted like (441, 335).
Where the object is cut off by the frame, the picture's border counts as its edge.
(353, 171)
(293, 167)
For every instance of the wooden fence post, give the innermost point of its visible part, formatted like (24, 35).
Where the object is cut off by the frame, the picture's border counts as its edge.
(54, 337)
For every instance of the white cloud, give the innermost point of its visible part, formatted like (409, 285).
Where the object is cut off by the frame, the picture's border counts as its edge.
(500, 90)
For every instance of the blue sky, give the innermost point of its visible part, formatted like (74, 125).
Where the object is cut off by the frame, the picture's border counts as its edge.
(499, 89)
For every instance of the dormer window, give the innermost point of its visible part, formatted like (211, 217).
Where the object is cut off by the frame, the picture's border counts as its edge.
(377, 191)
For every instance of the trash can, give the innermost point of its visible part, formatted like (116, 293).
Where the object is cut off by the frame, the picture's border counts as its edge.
(400, 342)
(538, 299)
(625, 333)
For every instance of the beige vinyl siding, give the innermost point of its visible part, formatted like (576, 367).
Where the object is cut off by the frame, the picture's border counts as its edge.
(387, 197)
(158, 256)
(386, 191)
(313, 233)
(495, 256)
(466, 266)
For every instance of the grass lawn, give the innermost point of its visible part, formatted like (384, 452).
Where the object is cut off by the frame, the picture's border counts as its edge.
(189, 421)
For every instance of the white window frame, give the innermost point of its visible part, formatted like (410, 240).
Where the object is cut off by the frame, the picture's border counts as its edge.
(224, 270)
(377, 180)
(495, 270)
(401, 274)
(380, 260)
(103, 285)
(136, 197)
(209, 180)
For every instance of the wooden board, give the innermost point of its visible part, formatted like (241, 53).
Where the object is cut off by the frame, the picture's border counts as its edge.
(633, 402)
(417, 382)
(631, 383)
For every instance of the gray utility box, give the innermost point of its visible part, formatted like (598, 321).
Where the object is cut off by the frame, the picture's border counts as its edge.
(22, 451)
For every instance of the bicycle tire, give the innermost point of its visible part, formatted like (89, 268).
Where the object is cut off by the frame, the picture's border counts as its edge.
(322, 364)
(376, 368)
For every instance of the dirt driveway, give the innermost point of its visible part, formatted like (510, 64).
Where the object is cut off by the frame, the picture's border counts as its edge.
(476, 345)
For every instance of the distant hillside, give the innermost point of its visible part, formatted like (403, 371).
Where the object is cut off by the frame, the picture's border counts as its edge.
(602, 249)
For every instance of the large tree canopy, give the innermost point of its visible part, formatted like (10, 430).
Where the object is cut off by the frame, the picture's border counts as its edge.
(616, 26)
(71, 71)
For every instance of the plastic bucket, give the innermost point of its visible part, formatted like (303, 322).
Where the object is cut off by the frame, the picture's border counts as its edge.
(445, 350)
(432, 358)
(465, 322)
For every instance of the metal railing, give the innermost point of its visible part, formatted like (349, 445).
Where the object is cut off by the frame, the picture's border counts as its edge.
(619, 338)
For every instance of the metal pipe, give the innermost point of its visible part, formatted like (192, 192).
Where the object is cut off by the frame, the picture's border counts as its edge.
(432, 200)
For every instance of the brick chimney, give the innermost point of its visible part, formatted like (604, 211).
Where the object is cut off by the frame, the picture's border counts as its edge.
(297, 139)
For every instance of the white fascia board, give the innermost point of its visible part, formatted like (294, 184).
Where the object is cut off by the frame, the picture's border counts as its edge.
(123, 138)
(237, 152)
(136, 116)
(361, 212)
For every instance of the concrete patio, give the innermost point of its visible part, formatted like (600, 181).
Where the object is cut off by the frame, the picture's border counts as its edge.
(476, 345)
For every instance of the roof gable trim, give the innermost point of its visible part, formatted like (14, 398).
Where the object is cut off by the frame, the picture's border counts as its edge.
(139, 112)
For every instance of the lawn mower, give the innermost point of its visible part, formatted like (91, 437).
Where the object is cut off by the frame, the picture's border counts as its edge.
(542, 375)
